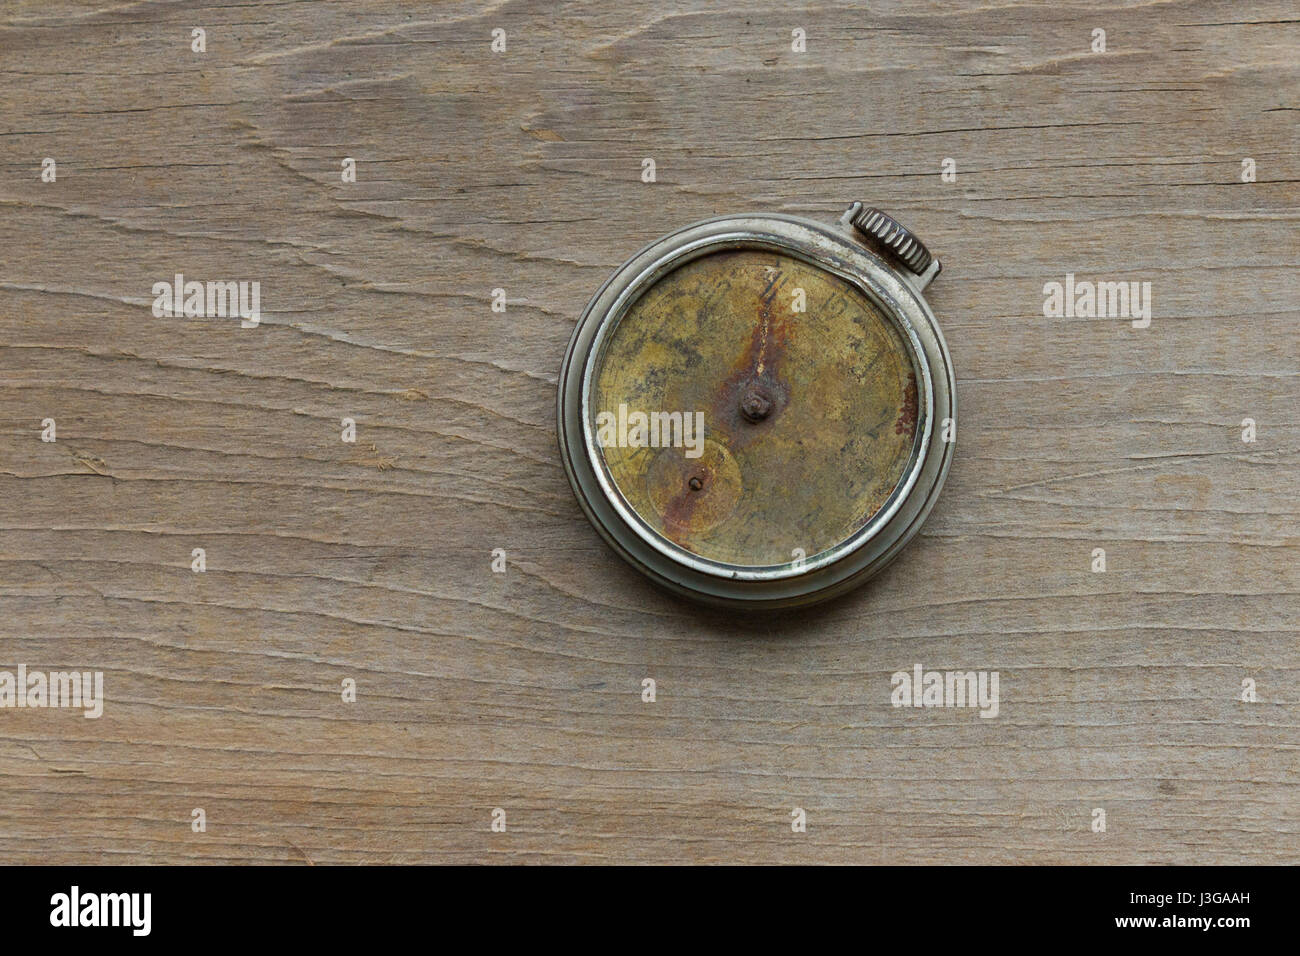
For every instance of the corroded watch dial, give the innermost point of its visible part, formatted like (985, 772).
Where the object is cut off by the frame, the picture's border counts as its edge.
(753, 408)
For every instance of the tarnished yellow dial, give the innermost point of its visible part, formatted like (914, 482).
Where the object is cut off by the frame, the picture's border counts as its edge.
(804, 390)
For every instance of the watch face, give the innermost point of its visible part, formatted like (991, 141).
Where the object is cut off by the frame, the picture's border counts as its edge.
(753, 408)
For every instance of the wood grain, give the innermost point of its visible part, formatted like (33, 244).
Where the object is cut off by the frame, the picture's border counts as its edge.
(521, 170)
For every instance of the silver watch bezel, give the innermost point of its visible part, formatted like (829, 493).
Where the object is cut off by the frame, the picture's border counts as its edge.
(840, 250)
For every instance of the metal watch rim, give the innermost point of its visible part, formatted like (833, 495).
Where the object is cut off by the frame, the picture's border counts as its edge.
(830, 247)
(637, 283)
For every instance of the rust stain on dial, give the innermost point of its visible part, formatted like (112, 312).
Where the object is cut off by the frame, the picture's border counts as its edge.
(809, 417)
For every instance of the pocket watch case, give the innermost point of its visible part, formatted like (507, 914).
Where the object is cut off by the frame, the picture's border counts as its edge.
(758, 410)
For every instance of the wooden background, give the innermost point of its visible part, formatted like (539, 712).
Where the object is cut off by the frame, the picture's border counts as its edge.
(521, 170)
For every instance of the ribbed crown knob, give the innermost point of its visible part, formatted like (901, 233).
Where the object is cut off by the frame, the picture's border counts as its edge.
(892, 237)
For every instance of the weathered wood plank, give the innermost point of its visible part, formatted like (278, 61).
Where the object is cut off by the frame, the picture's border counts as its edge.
(521, 170)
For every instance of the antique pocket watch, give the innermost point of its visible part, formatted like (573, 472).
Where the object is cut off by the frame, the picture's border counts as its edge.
(758, 410)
